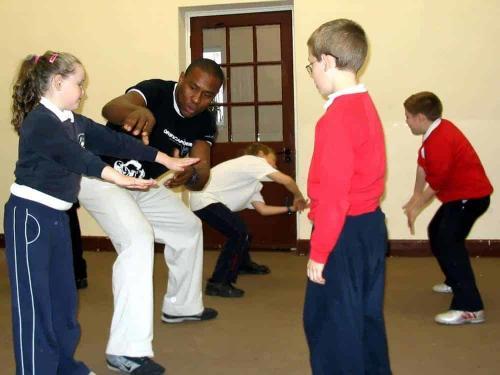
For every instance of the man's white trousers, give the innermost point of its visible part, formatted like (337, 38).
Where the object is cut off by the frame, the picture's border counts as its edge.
(134, 220)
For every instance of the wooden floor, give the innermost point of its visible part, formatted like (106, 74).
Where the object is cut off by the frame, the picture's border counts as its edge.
(262, 332)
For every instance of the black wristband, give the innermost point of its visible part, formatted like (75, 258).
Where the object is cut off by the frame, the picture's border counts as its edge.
(289, 210)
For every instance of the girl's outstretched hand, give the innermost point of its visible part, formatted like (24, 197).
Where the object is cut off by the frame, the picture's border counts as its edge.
(135, 183)
(110, 175)
(174, 163)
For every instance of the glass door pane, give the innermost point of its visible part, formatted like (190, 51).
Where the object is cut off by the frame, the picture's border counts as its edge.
(241, 44)
(243, 124)
(241, 84)
(269, 82)
(268, 43)
(214, 44)
(270, 123)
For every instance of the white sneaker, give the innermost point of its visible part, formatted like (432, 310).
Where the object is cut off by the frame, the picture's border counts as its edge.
(456, 317)
(442, 288)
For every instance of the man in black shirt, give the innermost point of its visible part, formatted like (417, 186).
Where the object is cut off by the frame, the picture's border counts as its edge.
(174, 118)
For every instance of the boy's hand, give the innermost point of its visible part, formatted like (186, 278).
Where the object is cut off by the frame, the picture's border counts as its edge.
(315, 272)
(411, 215)
(300, 204)
(411, 209)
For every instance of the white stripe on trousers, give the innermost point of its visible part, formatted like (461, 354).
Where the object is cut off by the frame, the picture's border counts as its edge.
(27, 243)
(17, 290)
(29, 278)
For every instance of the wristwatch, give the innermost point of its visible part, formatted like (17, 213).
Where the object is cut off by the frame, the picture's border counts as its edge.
(194, 178)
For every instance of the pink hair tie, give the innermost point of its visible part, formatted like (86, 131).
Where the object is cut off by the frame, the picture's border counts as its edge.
(53, 57)
(37, 58)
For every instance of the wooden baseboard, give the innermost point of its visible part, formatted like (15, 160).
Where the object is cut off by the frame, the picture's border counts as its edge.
(420, 248)
(402, 248)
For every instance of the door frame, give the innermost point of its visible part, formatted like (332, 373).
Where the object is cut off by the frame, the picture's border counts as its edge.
(187, 13)
(223, 11)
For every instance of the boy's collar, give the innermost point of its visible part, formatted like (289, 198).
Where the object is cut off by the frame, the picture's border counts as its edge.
(61, 115)
(359, 88)
(431, 128)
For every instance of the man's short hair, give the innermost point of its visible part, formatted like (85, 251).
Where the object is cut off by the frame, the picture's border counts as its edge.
(426, 103)
(342, 38)
(208, 66)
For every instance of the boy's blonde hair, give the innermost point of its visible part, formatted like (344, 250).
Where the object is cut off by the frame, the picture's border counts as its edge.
(256, 148)
(426, 103)
(343, 39)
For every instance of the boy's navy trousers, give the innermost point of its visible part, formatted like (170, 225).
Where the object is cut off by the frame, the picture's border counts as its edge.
(235, 251)
(43, 291)
(343, 319)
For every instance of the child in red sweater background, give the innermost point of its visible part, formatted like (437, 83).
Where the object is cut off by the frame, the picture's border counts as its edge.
(448, 168)
(343, 310)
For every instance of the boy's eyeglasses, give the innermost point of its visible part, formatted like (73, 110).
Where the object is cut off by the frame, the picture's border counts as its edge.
(309, 67)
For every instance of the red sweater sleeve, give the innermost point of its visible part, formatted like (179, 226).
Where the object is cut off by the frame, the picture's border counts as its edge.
(330, 182)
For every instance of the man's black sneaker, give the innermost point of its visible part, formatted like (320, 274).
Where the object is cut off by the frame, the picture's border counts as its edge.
(134, 365)
(223, 290)
(253, 268)
(206, 314)
(81, 283)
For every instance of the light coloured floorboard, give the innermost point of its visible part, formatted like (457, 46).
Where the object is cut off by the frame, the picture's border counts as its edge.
(262, 332)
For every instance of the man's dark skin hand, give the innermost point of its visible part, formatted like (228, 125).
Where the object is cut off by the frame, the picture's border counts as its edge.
(201, 170)
(141, 121)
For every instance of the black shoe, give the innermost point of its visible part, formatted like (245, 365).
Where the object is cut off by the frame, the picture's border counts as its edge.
(134, 365)
(81, 283)
(223, 290)
(253, 268)
(206, 314)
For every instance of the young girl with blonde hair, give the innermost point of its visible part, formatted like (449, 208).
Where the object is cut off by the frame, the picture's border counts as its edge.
(56, 147)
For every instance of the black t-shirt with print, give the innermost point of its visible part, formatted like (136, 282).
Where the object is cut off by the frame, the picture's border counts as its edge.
(171, 130)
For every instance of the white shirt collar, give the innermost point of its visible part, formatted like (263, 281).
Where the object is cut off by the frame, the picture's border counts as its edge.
(431, 128)
(62, 115)
(350, 90)
(176, 107)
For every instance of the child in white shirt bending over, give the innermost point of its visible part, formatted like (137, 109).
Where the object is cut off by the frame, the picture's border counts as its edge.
(235, 185)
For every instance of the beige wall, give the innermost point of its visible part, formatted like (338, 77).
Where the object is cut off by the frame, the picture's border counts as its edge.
(447, 46)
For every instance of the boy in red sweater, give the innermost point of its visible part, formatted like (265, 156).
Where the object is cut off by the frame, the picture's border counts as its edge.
(343, 310)
(448, 168)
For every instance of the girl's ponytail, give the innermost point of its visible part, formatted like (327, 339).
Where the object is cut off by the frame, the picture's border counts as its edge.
(25, 94)
(33, 81)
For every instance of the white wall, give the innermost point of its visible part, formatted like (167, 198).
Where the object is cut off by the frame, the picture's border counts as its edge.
(446, 46)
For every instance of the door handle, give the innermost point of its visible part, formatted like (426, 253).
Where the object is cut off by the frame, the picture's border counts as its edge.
(286, 154)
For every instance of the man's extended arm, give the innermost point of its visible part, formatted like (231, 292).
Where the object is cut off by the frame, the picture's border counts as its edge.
(130, 111)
